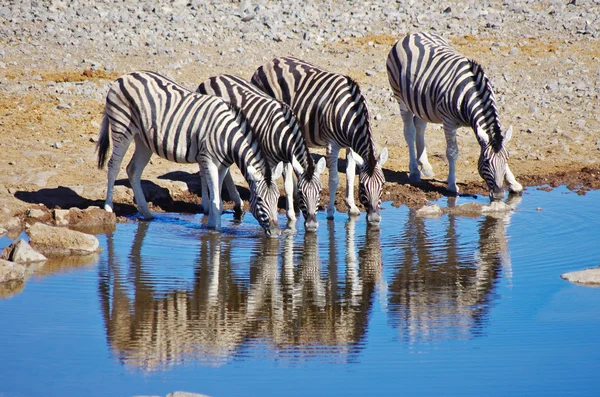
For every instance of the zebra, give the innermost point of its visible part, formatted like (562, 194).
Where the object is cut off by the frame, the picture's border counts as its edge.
(280, 138)
(177, 124)
(435, 84)
(332, 113)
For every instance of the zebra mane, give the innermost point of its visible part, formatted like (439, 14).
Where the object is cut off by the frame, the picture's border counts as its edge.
(484, 89)
(240, 116)
(371, 160)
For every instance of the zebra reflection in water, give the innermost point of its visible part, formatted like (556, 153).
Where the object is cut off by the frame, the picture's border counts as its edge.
(283, 297)
(443, 287)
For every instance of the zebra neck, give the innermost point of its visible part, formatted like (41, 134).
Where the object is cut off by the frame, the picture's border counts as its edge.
(258, 162)
(487, 131)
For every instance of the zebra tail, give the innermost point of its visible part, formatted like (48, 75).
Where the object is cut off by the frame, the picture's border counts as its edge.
(103, 141)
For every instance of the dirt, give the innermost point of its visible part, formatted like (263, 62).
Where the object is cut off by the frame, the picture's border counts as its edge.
(45, 149)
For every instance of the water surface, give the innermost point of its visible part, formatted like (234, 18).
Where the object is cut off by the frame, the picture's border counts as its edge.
(440, 306)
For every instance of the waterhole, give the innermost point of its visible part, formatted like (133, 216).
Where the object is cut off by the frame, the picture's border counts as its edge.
(435, 306)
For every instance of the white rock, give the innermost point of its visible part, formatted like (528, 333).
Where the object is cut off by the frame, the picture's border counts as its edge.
(586, 277)
(21, 252)
(35, 213)
(11, 271)
(61, 217)
(52, 240)
(496, 206)
(430, 211)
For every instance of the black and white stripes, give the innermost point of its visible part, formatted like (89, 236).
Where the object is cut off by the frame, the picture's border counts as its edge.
(280, 138)
(332, 113)
(433, 83)
(167, 119)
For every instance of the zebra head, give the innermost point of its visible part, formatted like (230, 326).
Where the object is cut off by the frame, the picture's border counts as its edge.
(493, 163)
(264, 196)
(309, 195)
(370, 184)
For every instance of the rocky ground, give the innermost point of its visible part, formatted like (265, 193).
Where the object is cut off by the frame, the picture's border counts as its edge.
(57, 59)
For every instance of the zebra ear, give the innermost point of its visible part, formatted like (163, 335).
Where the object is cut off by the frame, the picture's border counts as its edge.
(320, 167)
(356, 157)
(254, 174)
(383, 156)
(276, 173)
(508, 134)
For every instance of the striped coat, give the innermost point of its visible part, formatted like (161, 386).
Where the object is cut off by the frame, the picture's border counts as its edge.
(435, 84)
(281, 140)
(332, 113)
(166, 119)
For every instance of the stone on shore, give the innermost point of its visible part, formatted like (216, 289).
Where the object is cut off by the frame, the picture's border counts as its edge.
(57, 241)
(496, 206)
(585, 277)
(21, 252)
(10, 271)
(430, 211)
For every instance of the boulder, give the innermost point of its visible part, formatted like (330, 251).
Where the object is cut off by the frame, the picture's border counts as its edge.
(496, 206)
(57, 241)
(61, 217)
(585, 277)
(430, 211)
(10, 271)
(91, 218)
(21, 252)
(37, 213)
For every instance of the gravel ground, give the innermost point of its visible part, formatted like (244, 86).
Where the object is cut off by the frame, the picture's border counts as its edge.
(57, 59)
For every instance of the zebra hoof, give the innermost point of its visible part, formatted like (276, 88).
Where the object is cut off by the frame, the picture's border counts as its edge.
(453, 190)
(354, 211)
(146, 215)
(427, 173)
(516, 188)
(414, 178)
(330, 215)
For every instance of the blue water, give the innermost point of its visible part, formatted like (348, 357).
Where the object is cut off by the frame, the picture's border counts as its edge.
(421, 306)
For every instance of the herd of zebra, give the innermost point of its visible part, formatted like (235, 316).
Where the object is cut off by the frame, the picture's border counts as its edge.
(267, 125)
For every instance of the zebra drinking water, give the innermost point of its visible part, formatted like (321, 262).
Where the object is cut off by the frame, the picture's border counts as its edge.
(332, 113)
(177, 124)
(280, 138)
(435, 84)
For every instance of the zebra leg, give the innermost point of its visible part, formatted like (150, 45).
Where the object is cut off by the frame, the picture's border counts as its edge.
(136, 166)
(513, 185)
(452, 155)
(205, 200)
(234, 195)
(426, 169)
(350, 174)
(114, 165)
(288, 185)
(332, 164)
(410, 132)
(213, 180)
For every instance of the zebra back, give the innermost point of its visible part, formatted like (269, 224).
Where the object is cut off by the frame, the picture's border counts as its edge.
(272, 121)
(329, 106)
